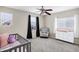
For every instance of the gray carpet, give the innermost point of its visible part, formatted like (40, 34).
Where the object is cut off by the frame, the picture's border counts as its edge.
(52, 45)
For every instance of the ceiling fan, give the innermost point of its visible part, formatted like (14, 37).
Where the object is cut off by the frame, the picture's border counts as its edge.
(44, 11)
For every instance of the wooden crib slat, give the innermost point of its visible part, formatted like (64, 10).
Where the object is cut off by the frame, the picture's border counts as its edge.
(15, 49)
(24, 48)
(20, 49)
(29, 47)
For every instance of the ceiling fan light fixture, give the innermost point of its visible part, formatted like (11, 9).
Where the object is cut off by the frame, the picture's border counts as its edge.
(44, 11)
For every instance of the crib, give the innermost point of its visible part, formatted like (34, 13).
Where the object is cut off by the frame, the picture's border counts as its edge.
(21, 45)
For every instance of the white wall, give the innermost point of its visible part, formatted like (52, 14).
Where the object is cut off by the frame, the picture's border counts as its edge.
(20, 21)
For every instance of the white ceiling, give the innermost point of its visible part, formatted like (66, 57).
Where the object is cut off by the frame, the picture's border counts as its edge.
(34, 8)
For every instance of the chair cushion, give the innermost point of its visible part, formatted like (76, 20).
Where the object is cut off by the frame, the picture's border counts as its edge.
(3, 40)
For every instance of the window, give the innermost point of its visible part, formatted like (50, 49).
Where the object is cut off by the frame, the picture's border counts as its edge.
(66, 23)
(33, 23)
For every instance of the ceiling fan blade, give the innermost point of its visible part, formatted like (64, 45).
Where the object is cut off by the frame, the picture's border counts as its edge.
(48, 13)
(48, 10)
(41, 12)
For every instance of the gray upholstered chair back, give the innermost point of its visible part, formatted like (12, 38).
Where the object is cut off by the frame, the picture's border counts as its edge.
(44, 32)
